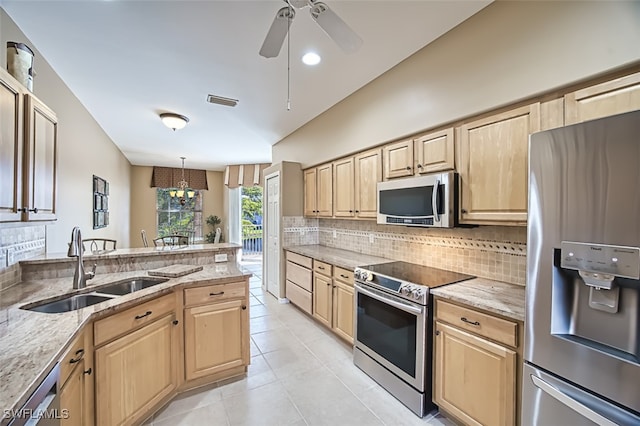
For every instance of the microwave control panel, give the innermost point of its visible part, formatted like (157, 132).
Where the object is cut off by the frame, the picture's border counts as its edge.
(621, 261)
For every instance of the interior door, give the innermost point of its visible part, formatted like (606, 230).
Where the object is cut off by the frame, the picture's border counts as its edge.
(272, 260)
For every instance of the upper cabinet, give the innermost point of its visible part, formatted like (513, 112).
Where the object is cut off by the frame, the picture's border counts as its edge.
(398, 159)
(609, 98)
(354, 185)
(434, 152)
(28, 155)
(11, 123)
(493, 166)
(318, 191)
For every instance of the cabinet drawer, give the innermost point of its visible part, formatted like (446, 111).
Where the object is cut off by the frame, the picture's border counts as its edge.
(214, 293)
(299, 259)
(132, 318)
(299, 275)
(322, 268)
(343, 275)
(72, 356)
(494, 328)
(299, 297)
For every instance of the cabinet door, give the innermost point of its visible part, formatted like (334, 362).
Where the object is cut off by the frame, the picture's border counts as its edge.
(343, 310)
(493, 167)
(322, 298)
(10, 148)
(475, 380)
(434, 152)
(609, 98)
(73, 398)
(325, 190)
(310, 195)
(216, 338)
(41, 130)
(136, 373)
(398, 159)
(368, 172)
(343, 188)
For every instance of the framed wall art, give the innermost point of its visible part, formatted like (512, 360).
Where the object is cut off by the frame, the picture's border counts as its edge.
(100, 202)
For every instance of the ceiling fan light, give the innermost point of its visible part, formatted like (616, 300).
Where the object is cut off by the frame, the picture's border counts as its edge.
(174, 121)
(311, 58)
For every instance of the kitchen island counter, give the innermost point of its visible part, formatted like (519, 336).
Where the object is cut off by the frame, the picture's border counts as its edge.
(32, 341)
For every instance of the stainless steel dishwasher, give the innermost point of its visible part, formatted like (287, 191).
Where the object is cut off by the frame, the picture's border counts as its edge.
(43, 406)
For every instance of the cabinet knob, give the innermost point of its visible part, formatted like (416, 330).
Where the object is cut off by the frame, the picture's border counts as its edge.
(175, 322)
(419, 166)
(357, 211)
(463, 211)
(350, 211)
(88, 372)
(437, 332)
(409, 168)
(244, 307)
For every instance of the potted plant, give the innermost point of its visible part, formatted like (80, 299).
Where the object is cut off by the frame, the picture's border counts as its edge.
(213, 221)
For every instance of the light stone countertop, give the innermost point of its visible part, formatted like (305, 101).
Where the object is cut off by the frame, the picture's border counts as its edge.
(343, 258)
(127, 253)
(31, 342)
(492, 296)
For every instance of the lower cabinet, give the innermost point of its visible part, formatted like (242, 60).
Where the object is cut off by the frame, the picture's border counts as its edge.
(475, 377)
(76, 378)
(343, 310)
(216, 333)
(322, 298)
(137, 371)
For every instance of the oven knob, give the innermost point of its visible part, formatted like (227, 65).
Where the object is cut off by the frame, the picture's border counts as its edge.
(368, 275)
(406, 290)
(417, 293)
(357, 273)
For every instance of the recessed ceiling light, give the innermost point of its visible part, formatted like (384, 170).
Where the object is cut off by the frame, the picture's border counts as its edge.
(311, 58)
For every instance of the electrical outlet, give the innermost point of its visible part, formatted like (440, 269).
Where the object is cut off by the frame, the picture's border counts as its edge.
(222, 257)
(10, 257)
(301, 232)
(335, 234)
(370, 238)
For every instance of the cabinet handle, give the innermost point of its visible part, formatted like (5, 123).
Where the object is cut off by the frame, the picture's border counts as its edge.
(357, 211)
(463, 211)
(321, 267)
(79, 355)
(350, 211)
(419, 166)
(146, 314)
(476, 323)
(88, 372)
(244, 307)
(34, 210)
(334, 286)
(344, 276)
(437, 332)
(328, 284)
(175, 322)
(409, 168)
(220, 293)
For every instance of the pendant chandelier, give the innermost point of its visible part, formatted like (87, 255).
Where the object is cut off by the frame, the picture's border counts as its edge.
(183, 188)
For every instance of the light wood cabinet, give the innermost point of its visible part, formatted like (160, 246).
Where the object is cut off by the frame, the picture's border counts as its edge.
(612, 97)
(322, 297)
(76, 379)
(493, 166)
(398, 159)
(368, 172)
(299, 281)
(343, 295)
(216, 334)
(318, 191)
(344, 188)
(434, 152)
(11, 142)
(136, 372)
(28, 155)
(477, 362)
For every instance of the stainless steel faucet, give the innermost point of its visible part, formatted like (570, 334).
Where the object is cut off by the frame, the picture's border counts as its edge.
(75, 250)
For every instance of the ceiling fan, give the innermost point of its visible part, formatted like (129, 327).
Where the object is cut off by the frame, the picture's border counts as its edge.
(331, 23)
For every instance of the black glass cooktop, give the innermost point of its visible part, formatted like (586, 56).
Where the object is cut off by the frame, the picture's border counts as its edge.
(417, 274)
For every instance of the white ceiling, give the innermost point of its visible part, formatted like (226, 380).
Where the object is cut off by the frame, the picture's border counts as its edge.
(128, 61)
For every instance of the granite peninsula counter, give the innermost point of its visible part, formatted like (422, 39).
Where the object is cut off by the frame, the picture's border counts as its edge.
(32, 341)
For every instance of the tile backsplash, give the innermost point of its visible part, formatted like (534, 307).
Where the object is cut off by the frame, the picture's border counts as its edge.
(18, 243)
(494, 252)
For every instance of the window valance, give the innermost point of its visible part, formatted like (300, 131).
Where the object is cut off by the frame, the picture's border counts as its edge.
(168, 177)
(244, 175)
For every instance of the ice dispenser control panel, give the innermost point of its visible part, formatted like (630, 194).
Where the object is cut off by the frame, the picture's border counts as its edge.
(620, 261)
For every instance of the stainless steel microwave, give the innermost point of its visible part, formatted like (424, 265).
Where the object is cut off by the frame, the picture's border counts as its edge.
(426, 201)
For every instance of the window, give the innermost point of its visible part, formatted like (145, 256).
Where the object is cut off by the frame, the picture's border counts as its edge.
(176, 219)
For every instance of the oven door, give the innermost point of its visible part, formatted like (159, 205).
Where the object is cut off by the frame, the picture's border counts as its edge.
(392, 330)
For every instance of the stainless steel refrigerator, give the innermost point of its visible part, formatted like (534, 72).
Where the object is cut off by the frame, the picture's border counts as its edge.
(582, 327)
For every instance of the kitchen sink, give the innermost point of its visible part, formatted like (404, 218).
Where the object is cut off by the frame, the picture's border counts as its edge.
(70, 303)
(130, 286)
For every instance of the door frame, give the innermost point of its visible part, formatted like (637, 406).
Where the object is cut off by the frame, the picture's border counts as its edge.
(266, 270)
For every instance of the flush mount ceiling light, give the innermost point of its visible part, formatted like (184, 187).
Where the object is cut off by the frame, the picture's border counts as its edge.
(174, 121)
(311, 58)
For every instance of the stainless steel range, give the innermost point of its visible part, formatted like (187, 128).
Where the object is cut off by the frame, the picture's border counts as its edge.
(393, 330)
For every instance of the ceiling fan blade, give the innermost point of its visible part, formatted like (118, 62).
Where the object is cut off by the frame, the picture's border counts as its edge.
(278, 31)
(335, 28)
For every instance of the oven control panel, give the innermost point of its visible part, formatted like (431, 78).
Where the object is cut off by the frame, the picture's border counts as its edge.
(409, 291)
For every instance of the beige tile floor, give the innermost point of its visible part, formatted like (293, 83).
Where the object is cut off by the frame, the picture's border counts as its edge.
(300, 374)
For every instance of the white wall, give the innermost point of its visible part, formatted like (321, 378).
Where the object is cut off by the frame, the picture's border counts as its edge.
(509, 51)
(84, 149)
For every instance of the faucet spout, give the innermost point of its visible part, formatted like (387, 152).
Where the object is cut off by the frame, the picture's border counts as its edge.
(76, 250)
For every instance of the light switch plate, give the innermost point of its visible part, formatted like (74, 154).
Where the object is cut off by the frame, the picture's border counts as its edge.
(370, 238)
(222, 257)
(335, 234)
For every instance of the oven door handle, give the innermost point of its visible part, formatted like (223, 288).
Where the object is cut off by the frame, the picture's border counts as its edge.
(402, 306)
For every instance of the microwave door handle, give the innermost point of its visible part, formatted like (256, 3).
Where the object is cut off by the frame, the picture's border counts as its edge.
(434, 201)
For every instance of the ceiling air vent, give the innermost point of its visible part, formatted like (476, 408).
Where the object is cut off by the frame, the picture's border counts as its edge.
(213, 99)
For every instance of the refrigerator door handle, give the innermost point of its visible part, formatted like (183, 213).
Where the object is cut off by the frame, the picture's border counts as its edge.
(571, 403)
